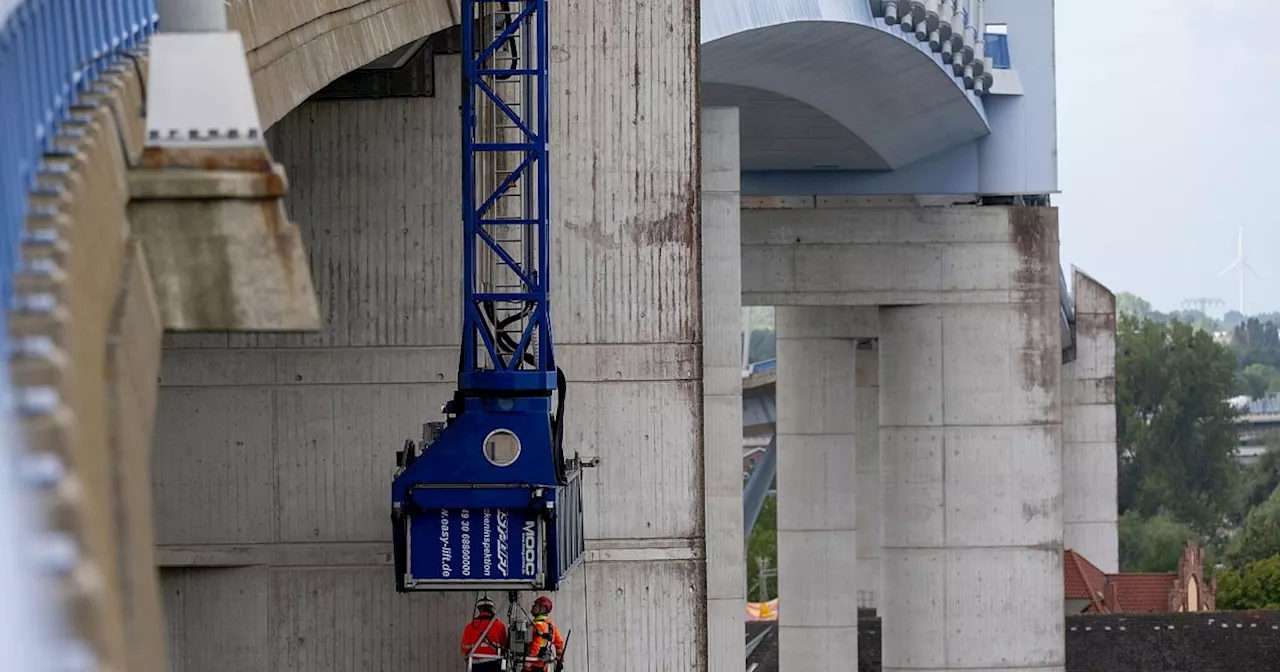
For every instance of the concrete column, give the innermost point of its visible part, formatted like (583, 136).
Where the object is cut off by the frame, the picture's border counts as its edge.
(1089, 429)
(970, 431)
(867, 462)
(722, 389)
(817, 512)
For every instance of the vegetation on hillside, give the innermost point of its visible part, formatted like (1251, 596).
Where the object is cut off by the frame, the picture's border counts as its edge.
(1176, 440)
(1176, 433)
(763, 545)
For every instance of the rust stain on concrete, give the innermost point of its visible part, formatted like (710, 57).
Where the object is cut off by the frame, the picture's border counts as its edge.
(251, 160)
(1037, 264)
(678, 226)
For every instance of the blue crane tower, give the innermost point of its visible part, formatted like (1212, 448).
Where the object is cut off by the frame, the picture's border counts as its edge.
(488, 500)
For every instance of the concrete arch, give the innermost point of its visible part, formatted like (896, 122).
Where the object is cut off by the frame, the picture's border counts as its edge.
(781, 133)
(295, 49)
(895, 97)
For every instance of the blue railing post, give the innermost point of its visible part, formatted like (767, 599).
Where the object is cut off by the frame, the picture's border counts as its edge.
(49, 51)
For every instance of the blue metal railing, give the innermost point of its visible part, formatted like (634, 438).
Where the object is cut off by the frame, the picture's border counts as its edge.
(50, 50)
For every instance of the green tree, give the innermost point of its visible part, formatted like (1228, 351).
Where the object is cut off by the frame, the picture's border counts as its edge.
(1175, 430)
(1273, 317)
(1258, 481)
(1151, 544)
(1196, 319)
(1255, 342)
(763, 543)
(1133, 305)
(1259, 537)
(1257, 334)
(1254, 586)
(1257, 380)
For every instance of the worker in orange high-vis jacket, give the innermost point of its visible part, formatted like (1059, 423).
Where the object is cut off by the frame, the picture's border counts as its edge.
(547, 645)
(485, 638)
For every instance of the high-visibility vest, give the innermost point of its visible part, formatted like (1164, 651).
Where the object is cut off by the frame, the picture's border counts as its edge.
(545, 634)
(484, 636)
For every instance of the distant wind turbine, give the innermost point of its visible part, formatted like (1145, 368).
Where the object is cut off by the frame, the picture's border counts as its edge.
(1240, 265)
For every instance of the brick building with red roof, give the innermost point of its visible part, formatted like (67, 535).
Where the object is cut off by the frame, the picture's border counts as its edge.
(1088, 590)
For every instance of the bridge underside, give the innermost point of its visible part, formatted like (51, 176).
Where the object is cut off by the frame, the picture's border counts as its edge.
(894, 104)
(273, 452)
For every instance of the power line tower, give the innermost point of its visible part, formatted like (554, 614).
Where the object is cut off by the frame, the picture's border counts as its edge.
(1202, 304)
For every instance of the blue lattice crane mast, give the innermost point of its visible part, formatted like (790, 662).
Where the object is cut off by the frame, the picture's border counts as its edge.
(488, 499)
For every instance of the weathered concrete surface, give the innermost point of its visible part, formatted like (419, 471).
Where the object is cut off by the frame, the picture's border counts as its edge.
(86, 339)
(817, 512)
(971, 465)
(1089, 428)
(133, 367)
(235, 262)
(277, 450)
(296, 48)
(884, 256)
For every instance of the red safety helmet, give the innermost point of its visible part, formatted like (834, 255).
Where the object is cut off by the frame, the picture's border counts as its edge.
(542, 605)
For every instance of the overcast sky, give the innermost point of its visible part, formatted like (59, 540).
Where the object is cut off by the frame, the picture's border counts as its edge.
(1168, 140)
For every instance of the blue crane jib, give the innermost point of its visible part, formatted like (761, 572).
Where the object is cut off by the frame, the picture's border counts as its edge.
(488, 499)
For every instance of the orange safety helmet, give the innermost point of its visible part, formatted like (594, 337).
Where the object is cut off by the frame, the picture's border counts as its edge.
(542, 605)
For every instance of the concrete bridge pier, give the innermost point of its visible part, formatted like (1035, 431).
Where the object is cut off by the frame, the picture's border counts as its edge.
(722, 388)
(828, 480)
(817, 507)
(970, 429)
(1089, 506)
(970, 437)
(971, 471)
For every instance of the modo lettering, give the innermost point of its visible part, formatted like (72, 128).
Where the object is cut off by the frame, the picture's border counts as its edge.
(529, 546)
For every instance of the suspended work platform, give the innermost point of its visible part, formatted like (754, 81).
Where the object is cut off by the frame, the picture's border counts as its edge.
(487, 500)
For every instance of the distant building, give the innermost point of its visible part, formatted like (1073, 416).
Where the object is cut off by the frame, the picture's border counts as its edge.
(1088, 590)
(1259, 422)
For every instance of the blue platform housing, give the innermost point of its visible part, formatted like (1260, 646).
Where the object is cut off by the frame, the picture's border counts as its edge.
(488, 499)
(465, 523)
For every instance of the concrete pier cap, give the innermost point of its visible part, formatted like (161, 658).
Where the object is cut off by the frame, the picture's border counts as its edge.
(207, 202)
(900, 256)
